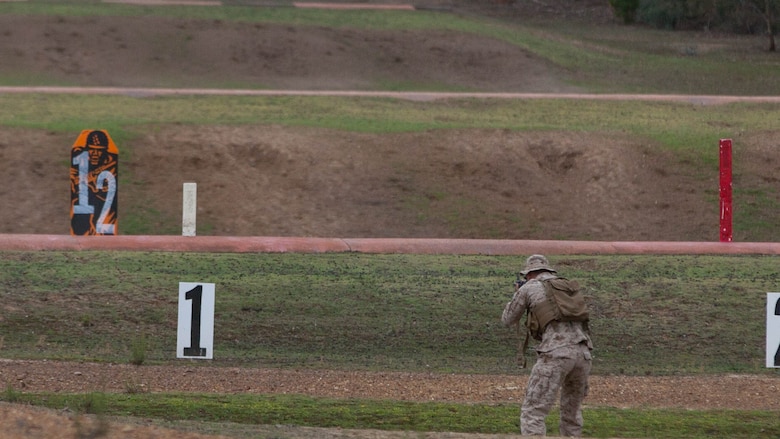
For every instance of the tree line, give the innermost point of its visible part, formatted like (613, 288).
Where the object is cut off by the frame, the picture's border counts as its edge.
(754, 17)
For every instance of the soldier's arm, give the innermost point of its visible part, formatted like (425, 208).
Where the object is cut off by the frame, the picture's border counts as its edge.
(514, 310)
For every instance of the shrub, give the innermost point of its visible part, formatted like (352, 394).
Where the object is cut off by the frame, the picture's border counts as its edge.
(625, 9)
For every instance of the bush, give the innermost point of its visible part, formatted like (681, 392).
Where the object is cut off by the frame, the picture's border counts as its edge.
(625, 9)
(721, 15)
(661, 14)
(138, 351)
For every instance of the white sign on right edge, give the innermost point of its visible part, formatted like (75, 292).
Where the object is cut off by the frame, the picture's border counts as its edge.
(773, 330)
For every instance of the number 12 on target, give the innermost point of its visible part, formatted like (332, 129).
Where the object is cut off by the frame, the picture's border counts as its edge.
(196, 321)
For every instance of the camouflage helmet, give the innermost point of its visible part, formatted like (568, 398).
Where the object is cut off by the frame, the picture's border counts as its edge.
(536, 263)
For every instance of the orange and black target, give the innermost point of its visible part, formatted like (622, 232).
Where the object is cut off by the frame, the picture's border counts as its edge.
(93, 184)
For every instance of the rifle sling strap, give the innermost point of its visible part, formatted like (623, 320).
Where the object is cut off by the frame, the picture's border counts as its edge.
(521, 360)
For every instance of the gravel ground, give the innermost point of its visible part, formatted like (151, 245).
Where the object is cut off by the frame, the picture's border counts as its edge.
(735, 392)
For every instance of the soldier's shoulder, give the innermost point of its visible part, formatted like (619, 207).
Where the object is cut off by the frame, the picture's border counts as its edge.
(533, 283)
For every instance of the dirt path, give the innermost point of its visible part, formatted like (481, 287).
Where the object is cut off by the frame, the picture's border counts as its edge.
(409, 95)
(735, 392)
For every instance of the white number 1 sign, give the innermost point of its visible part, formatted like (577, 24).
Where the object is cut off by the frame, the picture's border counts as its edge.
(196, 321)
(772, 329)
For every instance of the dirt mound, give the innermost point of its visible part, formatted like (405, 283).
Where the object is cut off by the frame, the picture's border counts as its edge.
(316, 182)
(165, 52)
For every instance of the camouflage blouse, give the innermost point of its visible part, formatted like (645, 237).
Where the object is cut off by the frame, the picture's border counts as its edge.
(557, 334)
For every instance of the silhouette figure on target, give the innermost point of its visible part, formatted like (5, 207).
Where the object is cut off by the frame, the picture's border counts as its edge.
(93, 185)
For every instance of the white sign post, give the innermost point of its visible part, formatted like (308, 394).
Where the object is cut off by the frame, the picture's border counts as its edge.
(773, 330)
(196, 321)
(189, 209)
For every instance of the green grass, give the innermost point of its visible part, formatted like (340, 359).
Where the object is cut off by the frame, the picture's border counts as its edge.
(652, 314)
(678, 126)
(235, 415)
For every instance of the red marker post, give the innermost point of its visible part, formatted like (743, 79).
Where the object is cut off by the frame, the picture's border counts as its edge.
(726, 229)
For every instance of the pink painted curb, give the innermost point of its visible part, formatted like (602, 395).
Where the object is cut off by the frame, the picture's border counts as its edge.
(526, 247)
(215, 244)
(270, 244)
(352, 6)
(167, 2)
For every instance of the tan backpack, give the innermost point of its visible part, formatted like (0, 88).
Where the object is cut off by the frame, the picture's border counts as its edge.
(565, 302)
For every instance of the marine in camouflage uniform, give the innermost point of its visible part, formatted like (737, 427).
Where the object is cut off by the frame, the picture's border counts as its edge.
(563, 358)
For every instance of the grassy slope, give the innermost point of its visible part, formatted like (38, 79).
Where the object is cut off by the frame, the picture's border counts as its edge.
(651, 315)
(690, 131)
(237, 416)
(605, 59)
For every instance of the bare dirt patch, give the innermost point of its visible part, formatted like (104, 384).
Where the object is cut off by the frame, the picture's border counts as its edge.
(735, 392)
(315, 182)
(161, 52)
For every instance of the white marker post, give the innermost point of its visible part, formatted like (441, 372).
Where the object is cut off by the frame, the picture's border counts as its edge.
(196, 321)
(773, 330)
(189, 208)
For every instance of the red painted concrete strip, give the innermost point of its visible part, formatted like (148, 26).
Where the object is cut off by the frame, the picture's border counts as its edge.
(351, 6)
(526, 247)
(216, 244)
(270, 244)
(167, 2)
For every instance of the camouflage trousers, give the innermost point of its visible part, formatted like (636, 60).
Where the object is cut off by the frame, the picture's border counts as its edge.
(563, 370)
